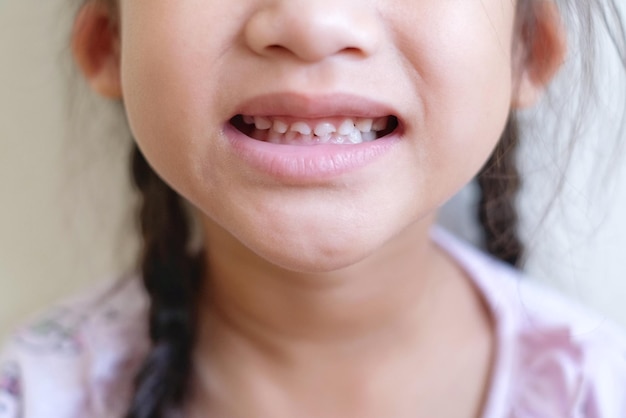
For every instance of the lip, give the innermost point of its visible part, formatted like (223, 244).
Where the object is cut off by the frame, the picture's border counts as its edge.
(309, 163)
(311, 107)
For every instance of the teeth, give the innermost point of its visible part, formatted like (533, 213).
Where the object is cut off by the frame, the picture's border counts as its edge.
(364, 125)
(347, 126)
(262, 124)
(379, 124)
(356, 136)
(368, 136)
(324, 128)
(274, 137)
(301, 128)
(307, 139)
(350, 131)
(290, 135)
(280, 127)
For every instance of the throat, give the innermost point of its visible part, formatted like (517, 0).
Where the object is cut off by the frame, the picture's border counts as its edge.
(294, 363)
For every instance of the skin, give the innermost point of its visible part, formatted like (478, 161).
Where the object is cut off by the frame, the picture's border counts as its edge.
(326, 298)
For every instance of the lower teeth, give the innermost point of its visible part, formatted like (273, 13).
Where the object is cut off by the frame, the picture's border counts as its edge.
(294, 138)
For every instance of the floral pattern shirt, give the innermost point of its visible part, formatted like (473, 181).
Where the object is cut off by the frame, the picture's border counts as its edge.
(554, 359)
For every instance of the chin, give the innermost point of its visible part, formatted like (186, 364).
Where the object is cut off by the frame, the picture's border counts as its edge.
(317, 256)
(313, 264)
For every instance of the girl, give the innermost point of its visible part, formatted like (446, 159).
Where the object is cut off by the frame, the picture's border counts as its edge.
(315, 141)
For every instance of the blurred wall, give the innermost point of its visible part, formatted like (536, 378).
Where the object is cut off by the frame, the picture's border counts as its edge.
(64, 218)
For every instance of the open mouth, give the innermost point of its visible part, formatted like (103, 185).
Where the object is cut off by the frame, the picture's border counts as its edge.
(336, 130)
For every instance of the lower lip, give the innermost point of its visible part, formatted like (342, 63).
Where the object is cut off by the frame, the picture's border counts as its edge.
(307, 162)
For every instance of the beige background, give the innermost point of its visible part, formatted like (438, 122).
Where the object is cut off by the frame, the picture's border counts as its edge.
(62, 159)
(64, 220)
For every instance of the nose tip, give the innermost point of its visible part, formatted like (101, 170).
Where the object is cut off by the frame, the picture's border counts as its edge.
(312, 30)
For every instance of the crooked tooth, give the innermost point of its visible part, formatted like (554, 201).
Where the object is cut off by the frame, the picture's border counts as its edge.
(379, 124)
(364, 125)
(324, 128)
(262, 123)
(301, 127)
(368, 136)
(280, 127)
(346, 127)
(248, 120)
(355, 136)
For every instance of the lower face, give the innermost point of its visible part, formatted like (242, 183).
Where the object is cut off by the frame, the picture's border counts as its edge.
(314, 132)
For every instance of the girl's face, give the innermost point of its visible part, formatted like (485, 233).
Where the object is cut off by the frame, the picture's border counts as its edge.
(434, 77)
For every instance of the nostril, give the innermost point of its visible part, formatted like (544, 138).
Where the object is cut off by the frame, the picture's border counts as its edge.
(311, 32)
(276, 49)
(352, 51)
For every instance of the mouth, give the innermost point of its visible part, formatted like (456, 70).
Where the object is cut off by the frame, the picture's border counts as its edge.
(339, 130)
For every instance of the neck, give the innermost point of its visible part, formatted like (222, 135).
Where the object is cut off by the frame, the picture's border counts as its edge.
(274, 336)
(278, 308)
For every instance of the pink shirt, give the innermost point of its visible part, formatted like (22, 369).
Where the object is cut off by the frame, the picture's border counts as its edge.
(554, 359)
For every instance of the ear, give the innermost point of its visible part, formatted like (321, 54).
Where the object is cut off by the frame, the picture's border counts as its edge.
(96, 48)
(544, 47)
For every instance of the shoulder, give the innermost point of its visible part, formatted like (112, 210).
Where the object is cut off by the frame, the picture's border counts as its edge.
(577, 352)
(556, 357)
(78, 356)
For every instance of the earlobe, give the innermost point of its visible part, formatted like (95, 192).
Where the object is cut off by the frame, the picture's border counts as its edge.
(95, 47)
(545, 47)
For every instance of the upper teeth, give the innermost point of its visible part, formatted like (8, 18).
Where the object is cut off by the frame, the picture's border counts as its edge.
(322, 128)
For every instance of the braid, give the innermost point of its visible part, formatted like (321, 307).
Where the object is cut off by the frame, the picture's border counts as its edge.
(499, 183)
(171, 279)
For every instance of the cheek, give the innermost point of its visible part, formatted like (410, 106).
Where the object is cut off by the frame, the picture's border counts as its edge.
(462, 54)
(454, 63)
(172, 110)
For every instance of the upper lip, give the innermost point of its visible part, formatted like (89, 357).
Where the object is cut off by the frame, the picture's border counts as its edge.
(314, 106)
